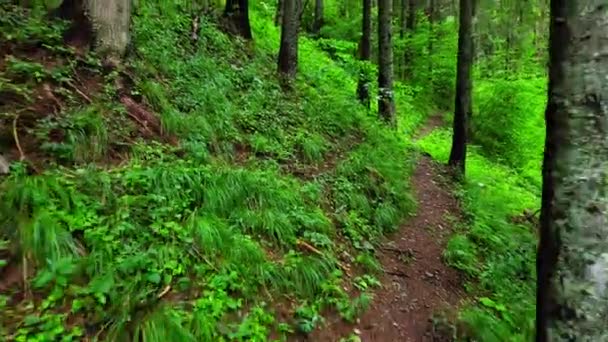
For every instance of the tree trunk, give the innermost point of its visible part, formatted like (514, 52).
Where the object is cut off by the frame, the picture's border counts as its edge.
(462, 103)
(288, 52)
(365, 53)
(319, 21)
(411, 16)
(410, 24)
(431, 37)
(237, 13)
(111, 23)
(403, 17)
(278, 17)
(386, 103)
(572, 263)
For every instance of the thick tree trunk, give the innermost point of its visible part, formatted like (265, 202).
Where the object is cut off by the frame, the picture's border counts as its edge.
(237, 13)
(288, 52)
(111, 21)
(572, 263)
(386, 103)
(365, 50)
(319, 20)
(462, 103)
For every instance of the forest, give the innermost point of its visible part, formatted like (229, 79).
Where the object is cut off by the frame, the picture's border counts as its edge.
(295, 170)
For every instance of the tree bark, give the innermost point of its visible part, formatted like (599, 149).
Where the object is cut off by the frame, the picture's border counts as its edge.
(365, 53)
(319, 20)
(288, 51)
(237, 13)
(278, 17)
(572, 263)
(386, 103)
(462, 103)
(111, 21)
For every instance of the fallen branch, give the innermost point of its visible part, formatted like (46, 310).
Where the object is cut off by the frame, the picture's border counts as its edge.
(312, 249)
(309, 247)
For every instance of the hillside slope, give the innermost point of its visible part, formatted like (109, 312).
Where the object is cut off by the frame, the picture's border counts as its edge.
(186, 195)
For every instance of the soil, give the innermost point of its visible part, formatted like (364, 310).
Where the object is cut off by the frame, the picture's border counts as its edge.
(416, 283)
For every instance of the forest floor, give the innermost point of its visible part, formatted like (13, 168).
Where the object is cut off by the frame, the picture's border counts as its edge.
(417, 285)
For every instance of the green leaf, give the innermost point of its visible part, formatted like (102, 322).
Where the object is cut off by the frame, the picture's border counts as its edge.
(153, 277)
(102, 284)
(43, 279)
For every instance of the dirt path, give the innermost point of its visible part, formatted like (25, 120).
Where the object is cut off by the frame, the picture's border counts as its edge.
(416, 283)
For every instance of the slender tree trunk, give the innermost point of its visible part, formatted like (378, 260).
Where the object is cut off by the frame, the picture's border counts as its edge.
(288, 52)
(411, 15)
(237, 13)
(410, 24)
(319, 21)
(403, 17)
(111, 21)
(462, 103)
(572, 263)
(365, 50)
(386, 102)
(431, 37)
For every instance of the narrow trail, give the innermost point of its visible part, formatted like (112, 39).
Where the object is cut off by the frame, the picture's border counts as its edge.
(416, 282)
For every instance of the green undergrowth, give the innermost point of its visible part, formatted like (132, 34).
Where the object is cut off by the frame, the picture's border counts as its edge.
(509, 123)
(491, 247)
(261, 197)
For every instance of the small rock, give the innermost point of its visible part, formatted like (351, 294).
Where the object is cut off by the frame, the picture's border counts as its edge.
(429, 274)
(357, 331)
(395, 324)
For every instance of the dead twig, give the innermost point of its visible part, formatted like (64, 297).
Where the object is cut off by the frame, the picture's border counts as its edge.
(79, 92)
(164, 292)
(312, 249)
(409, 252)
(16, 137)
(397, 273)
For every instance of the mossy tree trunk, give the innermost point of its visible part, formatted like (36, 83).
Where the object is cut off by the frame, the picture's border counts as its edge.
(365, 53)
(572, 263)
(288, 51)
(386, 101)
(462, 102)
(237, 13)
